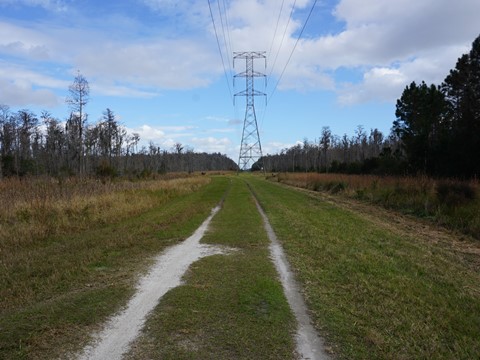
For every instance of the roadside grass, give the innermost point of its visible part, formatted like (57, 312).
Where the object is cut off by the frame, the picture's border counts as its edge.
(56, 290)
(451, 203)
(373, 293)
(37, 208)
(230, 306)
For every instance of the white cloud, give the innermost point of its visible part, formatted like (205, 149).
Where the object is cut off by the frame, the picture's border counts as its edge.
(23, 42)
(21, 93)
(382, 84)
(125, 66)
(167, 136)
(23, 87)
(275, 147)
(377, 35)
(159, 63)
(395, 43)
(389, 43)
(211, 144)
(163, 136)
(149, 133)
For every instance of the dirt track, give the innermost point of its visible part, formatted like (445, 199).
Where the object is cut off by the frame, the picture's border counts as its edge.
(164, 275)
(170, 266)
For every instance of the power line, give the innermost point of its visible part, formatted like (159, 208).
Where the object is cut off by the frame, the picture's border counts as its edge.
(283, 37)
(293, 50)
(227, 23)
(224, 36)
(276, 28)
(220, 50)
(288, 61)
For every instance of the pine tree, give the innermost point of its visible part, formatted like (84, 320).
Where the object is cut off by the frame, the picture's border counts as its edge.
(462, 90)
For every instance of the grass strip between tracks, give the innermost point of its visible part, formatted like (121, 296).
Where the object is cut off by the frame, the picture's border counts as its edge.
(59, 290)
(231, 306)
(375, 294)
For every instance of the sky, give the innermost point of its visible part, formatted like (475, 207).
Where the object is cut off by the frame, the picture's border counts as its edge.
(166, 69)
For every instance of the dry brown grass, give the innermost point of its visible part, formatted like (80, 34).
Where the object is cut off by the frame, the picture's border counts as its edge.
(33, 209)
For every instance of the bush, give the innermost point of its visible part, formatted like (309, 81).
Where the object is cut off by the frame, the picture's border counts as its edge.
(454, 194)
(336, 187)
(105, 171)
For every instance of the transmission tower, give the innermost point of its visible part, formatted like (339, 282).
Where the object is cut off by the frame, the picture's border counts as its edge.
(250, 147)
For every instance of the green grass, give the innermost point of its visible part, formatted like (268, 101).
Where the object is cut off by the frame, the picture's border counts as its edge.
(375, 294)
(54, 292)
(453, 204)
(231, 306)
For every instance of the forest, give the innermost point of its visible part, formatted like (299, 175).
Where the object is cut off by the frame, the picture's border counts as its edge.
(436, 133)
(32, 145)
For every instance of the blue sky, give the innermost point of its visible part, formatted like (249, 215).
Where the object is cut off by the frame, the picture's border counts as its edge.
(157, 65)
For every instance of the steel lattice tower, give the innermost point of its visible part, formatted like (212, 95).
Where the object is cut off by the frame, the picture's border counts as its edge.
(250, 148)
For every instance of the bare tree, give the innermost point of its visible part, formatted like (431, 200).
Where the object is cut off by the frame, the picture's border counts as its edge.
(79, 92)
(178, 148)
(325, 142)
(4, 114)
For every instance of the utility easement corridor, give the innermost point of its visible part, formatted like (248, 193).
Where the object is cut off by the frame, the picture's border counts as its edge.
(170, 266)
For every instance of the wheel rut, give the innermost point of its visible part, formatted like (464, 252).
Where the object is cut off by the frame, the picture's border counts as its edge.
(309, 345)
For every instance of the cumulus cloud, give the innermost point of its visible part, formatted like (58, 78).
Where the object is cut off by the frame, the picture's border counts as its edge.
(159, 63)
(382, 84)
(163, 136)
(211, 144)
(275, 147)
(394, 43)
(388, 43)
(391, 43)
(167, 136)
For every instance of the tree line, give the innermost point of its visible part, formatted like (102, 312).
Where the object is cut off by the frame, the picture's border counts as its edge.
(364, 152)
(32, 145)
(436, 132)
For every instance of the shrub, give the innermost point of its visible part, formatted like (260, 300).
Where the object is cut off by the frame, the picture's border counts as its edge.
(454, 194)
(336, 187)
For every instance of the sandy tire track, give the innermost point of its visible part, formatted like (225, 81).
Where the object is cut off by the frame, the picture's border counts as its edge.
(309, 345)
(166, 273)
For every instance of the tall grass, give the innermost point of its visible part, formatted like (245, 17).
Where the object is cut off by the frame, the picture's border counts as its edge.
(56, 289)
(36, 208)
(450, 203)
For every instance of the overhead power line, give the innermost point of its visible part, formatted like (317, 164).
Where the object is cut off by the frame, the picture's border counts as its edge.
(220, 49)
(276, 28)
(227, 23)
(227, 50)
(294, 47)
(283, 38)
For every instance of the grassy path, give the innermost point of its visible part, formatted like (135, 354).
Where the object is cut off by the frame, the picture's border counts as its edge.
(231, 306)
(56, 292)
(375, 294)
